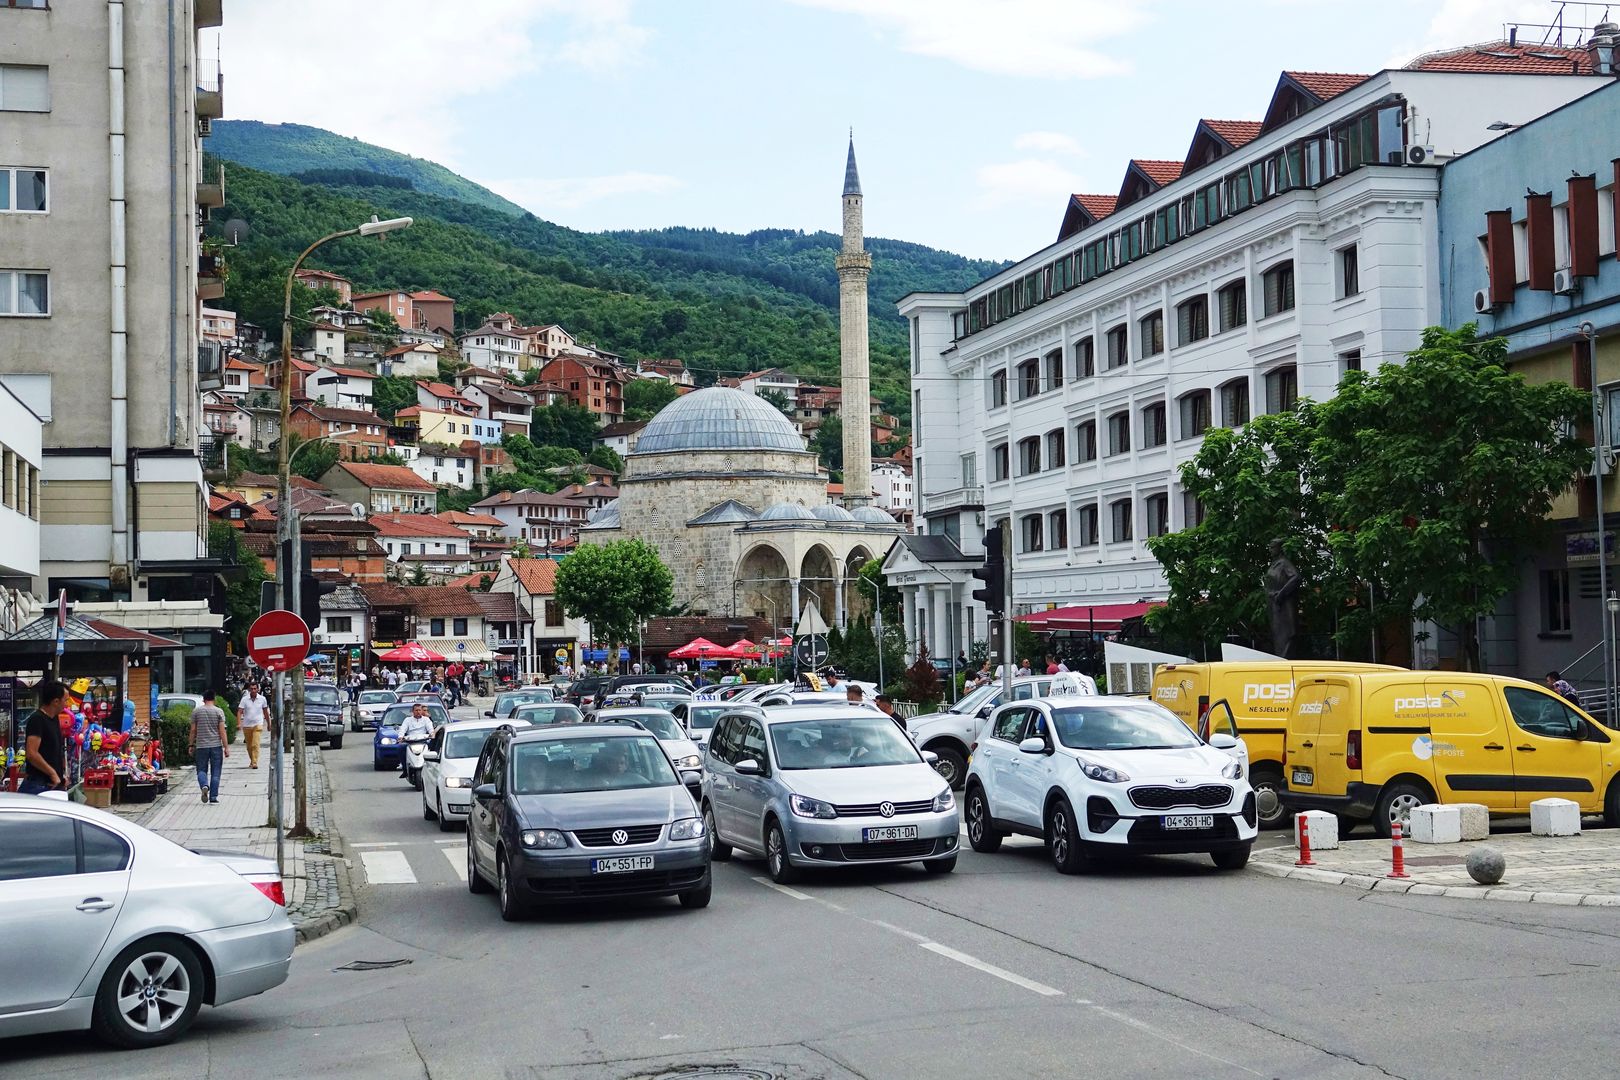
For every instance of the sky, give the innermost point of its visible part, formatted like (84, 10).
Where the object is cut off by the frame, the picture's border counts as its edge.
(973, 119)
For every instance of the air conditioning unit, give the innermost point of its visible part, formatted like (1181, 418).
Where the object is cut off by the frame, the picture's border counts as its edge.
(1482, 302)
(205, 127)
(1565, 282)
(1420, 155)
(1602, 461)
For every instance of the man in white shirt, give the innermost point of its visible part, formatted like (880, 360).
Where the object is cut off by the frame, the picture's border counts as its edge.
(250, 716)
(416, 726)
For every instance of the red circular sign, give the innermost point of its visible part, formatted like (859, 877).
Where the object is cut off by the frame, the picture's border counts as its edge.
(278, 641)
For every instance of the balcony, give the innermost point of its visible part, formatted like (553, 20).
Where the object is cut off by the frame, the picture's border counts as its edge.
(966, 497)
(207, 13)
(210, 90)
(211, 193)
(210, 277)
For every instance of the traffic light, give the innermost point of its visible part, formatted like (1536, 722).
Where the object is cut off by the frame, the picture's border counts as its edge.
(310, 591)
(993, 573)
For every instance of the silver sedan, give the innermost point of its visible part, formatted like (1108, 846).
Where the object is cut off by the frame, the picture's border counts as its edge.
(124, 933)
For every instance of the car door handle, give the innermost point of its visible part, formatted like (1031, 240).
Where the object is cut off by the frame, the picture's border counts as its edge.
(95, 904)
(1526, 748)
(1493, 746)
(1307, 744)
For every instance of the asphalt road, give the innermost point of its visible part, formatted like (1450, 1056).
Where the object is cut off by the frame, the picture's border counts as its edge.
(1161, 968)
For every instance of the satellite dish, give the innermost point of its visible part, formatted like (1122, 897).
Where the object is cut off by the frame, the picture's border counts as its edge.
(358, 511)
(236, 230)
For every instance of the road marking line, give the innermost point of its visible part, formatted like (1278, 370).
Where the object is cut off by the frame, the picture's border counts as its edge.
(783, 889)
(989, 969)
(376, 843)
(387, 868)
(1149, 1029)
(893, 929)
(457, 863)
(458, 842)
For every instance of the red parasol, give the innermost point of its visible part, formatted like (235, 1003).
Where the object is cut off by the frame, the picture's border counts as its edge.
(413, 653)
(702, 648)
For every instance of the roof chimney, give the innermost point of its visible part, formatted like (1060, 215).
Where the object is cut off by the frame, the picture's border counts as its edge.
(1601, 48)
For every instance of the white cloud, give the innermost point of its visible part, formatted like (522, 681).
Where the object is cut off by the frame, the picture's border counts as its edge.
(1044, 39)
(546, 195)
(1030, 181)
(1047, 142)
(394, 74)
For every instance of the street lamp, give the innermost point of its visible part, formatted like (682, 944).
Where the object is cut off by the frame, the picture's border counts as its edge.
(1613, 604)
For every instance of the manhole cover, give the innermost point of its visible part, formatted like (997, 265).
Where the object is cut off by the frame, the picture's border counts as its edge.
(706, 1072)
(371, 965)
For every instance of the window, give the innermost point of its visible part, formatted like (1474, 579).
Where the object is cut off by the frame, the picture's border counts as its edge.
(1540, 713)
(1282, 389)
(1118, 348)
(1153, 425)
(1029, 378)
(1349, 361)
(554, 613)
(1085, 358)
(1054, 369)
(1055, 456)
(1234, 300)
(339, 624)
(1157, 508)
(436, 627)
(1086, 526)
(458, 627)
(1349, 272)
(1010, 725)
(1235, 403)
(1192, 509)
(36, 5)
(1555, 602)
(1029, 532)
(1119, 433)
(1057, 529)
(970, 470)
(1192, 320)
(1152, 340)
(1029, 455)
(24, 88)
(1085, 442)
(1195, 418)
(105, 852)
(998, 389)
(998, 462)
(25, 292)
(1279, 288)
(36, 846)
(1120, 513)
(23, 191)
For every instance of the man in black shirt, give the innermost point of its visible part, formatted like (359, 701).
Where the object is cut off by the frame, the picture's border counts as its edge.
(45, 769)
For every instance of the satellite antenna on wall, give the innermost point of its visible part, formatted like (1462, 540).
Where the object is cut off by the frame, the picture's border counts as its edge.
(358, 511)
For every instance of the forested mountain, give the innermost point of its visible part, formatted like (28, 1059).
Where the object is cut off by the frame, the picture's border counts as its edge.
(722, 302)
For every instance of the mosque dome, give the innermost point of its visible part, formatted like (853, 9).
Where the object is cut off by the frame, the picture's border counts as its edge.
(831, 512)
(787, 512)
(872, 515)
(718, 418)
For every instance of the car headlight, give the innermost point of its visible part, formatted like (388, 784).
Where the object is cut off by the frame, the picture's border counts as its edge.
(1232, 770)
(686, 829)
(386, 741)
(457, 781)
(690, 761)
(544, 838)
(944, 801)
(1102, 773)
(811, 808)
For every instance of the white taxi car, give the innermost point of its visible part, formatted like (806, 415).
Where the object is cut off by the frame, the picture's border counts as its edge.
(1096, 774)
(447, 768)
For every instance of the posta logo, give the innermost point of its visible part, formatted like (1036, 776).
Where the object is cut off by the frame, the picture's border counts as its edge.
(1447, 699)
(1282, 692)
(1173, 691)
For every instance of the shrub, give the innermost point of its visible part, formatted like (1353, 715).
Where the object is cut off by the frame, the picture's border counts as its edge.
(174, 733)
(922, 682)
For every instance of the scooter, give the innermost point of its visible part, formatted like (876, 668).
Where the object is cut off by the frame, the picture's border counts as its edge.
(414, 749)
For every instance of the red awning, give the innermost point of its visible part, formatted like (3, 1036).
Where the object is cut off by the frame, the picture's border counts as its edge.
(1100, 617)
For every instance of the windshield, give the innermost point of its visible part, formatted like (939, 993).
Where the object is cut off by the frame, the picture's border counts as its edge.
(556, 766)
(505, 703)
(702, 717)
(400, 713)
(320, 695)
(663, 701)
(549, 714)
(1121, 727)
(464, 744)
(661, 724)
(408, 687)
(970, 703)
(841, 743)
(377, 697)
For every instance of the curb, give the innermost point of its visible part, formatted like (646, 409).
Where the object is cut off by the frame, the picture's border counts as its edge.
(339, 908)
(1367, 883)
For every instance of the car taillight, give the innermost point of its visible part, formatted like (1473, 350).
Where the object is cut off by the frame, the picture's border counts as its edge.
(272, 889)
(1203, 717)
(1352, 750)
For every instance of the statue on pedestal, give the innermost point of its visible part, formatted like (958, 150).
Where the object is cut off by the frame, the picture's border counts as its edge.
(1282, 590)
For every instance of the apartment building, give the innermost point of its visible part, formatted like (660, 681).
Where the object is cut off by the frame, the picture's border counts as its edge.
(100, 289)
(596, 385)
(1062, 395)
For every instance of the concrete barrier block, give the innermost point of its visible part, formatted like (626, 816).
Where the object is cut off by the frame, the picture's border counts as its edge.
(1476, 820)
(1435, 824)
(1554, 817)
(1324, 829)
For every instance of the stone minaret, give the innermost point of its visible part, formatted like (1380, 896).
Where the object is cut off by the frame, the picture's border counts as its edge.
(854, 264)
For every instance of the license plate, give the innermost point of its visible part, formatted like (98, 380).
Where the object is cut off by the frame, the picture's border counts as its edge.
(622, 864)
(1189, 821)
(1303, 777)
(889, 832)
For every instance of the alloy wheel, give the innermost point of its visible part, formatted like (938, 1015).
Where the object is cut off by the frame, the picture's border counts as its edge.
(1060, 835)
(153, 992)
(975, 818)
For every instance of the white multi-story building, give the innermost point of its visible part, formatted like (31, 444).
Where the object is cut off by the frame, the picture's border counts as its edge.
(1062, 395)
(891, 487)
(494, 346)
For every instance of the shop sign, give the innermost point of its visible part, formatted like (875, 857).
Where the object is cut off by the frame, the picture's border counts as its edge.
(1581, 548)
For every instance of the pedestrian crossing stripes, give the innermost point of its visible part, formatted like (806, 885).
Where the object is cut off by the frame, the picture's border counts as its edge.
(458, 861)
(387, 868)
(394, 863)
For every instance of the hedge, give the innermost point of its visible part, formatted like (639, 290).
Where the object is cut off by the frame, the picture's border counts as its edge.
(174, 733)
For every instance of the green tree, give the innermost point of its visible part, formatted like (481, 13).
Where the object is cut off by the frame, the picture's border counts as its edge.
(780, 400)
(828, 443)
(384, 328)
(613, 587)
(312, 462)
(242, 592)
(644, 397)
(875, 586)
(564, 424)
(605, 457)
(417, 575)
(391, 393)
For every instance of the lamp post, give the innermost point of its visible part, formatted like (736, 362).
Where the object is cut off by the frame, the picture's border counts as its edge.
(1609, 703)
(1599, 458)
(286, 518)
(877, 625)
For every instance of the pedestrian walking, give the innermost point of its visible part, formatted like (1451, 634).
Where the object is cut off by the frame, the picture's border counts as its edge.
(250, 716)
(1563, 688)
(208, 747)
(45, 768)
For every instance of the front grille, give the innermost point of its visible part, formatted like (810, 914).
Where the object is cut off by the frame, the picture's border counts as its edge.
(893, 849)
(871, 809)
(626, 884)
(639, 834)
(1163, 798)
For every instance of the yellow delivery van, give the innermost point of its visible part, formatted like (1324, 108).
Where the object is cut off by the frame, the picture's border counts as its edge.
(1373, 746)
(1250, 700)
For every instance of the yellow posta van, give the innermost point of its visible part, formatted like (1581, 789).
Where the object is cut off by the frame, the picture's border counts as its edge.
(1377, 745)
(1250, 700)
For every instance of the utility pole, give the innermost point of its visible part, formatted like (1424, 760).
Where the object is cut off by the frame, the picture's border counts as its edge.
(1005, 538)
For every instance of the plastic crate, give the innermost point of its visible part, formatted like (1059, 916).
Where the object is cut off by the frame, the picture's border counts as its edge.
(139, 793)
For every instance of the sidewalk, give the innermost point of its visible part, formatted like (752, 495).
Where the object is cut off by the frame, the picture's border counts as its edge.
(1566, 870)
(320, 897)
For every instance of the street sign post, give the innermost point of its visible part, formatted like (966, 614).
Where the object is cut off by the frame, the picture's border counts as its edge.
(810, 650)
(278, 641)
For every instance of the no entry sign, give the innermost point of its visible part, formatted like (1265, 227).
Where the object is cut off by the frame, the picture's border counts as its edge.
(278, 641)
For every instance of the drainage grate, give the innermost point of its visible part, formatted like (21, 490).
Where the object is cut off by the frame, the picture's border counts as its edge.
(371, 965)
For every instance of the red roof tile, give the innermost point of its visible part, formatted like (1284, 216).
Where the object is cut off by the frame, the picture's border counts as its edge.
(388, 477)
(1235, 132)
(1501, 58)
(414, 525)
(1098, 206)
(1325, 84)
(537, 576)
(1160, 172)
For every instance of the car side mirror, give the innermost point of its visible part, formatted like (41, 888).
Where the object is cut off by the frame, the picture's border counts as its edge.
(1033, 745)
(749, 767)
(430, 755)
(490, 713)
(930, 757)
(1222, 741)
(984, 713)
(484, 792)
(693, 780)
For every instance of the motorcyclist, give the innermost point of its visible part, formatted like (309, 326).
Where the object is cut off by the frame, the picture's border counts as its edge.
(416, 726)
